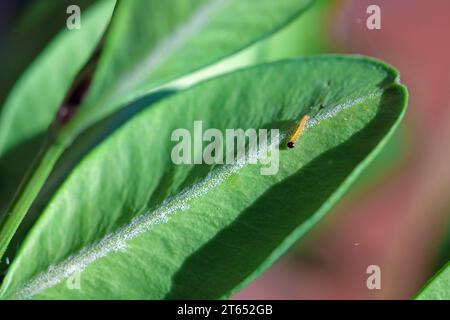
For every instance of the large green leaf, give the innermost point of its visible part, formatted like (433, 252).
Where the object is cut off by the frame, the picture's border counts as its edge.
(438, 288)
(138, 226)
(152, 42)
(34, 100)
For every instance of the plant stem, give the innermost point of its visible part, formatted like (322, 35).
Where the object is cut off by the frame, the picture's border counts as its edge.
(28, 191)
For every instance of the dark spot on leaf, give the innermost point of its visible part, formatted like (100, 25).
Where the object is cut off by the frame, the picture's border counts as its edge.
(80, 86)
(73, 99)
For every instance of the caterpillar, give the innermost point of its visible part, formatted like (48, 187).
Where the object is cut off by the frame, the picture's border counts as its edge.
(298, 131)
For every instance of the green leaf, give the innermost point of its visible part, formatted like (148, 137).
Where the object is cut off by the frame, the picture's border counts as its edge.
(153, 42)
(135, 225)
(34, 100)
(438, 288)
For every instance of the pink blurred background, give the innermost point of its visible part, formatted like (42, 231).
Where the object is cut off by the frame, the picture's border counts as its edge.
(399, 219)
